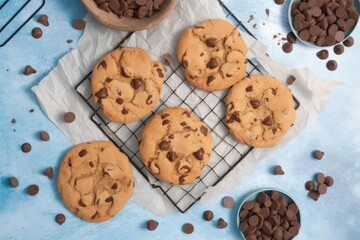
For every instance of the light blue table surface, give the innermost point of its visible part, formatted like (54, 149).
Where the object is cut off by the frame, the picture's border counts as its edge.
(337, 132)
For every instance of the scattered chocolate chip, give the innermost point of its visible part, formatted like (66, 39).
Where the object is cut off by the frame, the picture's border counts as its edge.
(278, 171)
(32, 190)
(323, 54)
(79, 24)
(267, 11)
(168, 59)
(49, 172)
(349, 42)
(322, 188)
(60, 218)
(208, 215)
(291, 37)
(188, 228)
(44, 136)
(309, 185)
(331, 65)
(31, 110)
(211, 42)
(320, 177)
(228, 202)
(13, 121)
(69, 117)
(37, 33)
(287, 47)
(290, 80)
(329, 181)
(13, 182)
(279, 2)
(43, 19)
(199, 155)
(221, 223)
(69, 41)
(29, 70)
(26, 147)
(213, 63)
(339, 49)
(152, 225)
(314, 195)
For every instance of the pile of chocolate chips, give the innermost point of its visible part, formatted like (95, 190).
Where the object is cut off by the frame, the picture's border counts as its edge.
(324, 22)
(130, 8)
(270, 216)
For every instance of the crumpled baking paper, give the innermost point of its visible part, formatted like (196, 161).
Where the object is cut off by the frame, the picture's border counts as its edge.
(56, 93)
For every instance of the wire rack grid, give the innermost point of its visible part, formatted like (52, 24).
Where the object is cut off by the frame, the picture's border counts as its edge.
(208, 106)
(20, 8)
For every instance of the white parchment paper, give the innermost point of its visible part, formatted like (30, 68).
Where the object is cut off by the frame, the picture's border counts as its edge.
(56, 92)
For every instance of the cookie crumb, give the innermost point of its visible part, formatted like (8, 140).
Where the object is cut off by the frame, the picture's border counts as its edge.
(251, 18)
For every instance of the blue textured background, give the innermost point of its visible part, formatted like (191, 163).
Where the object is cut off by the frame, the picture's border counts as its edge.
(337, 132)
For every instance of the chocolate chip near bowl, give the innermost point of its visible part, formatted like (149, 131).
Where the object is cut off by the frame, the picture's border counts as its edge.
(129, 15)
(270, 213)
(320, 23)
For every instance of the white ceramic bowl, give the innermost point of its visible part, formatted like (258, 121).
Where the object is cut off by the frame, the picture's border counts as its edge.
(311, 44)
(253, 195)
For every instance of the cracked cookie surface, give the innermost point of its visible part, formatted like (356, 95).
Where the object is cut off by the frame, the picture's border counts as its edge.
(213, 55)
(95, 181)
(127, 84)
(259, 111)
(175, 146)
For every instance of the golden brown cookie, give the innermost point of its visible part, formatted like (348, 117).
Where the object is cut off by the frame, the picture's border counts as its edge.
(175, 146)
(259, 111)
(213, 55)
(127, 84)
(95, 181)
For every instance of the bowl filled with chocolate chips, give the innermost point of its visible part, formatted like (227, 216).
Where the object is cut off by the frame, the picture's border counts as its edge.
(268, 214)
(323, 23)
(129, 15)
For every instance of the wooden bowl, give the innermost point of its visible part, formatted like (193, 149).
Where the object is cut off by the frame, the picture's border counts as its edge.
(111, 20)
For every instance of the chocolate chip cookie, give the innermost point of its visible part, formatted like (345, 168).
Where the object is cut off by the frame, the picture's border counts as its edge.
(175, 146)
(95, 181)
(127, 84)
(259, 111)
(213, 55)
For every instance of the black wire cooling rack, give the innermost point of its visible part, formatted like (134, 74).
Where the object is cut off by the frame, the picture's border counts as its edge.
(28, 8)
(208, 106)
